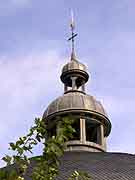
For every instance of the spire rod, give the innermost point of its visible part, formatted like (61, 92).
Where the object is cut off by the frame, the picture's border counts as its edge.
(73, 35)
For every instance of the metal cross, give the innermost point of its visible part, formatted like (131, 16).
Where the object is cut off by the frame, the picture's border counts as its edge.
(72, 38)
(73, 35)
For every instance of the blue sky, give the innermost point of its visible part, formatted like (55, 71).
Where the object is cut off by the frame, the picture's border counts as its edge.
(34, 47)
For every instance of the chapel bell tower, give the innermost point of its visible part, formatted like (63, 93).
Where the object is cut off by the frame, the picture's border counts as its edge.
(91, 122)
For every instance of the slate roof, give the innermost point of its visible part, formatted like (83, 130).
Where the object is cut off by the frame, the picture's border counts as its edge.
(101, 166)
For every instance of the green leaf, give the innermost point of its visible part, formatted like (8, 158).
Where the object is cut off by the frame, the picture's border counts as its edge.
(20, 150)
(13, 146)
(7, 159)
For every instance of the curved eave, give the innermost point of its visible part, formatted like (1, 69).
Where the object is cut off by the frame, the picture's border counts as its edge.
(83, 112)
(66, 74)
(88, 146)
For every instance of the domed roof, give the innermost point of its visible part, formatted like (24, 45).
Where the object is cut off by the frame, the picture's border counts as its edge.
(74, 69)
(74, 101)
(74, 65)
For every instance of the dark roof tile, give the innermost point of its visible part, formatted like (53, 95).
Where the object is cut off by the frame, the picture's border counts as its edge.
(101, 166)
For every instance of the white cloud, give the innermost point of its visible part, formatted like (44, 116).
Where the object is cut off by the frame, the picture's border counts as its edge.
(25, 74)
(121, 113)
(25, 81)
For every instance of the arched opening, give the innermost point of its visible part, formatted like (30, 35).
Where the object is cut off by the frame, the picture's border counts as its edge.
(52, 131)
(92, 132)
(76, 126)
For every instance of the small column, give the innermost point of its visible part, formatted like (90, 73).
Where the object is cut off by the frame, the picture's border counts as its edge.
(105, 146)
(83, 87)
(74, 87)
(100, 135)
(65, 88)
(82, 130)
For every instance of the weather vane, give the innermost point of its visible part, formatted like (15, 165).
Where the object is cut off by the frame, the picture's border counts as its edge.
(73, 35)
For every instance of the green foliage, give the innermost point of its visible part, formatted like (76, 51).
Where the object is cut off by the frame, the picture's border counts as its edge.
(5, 175)
(47, 165)
(79, 175)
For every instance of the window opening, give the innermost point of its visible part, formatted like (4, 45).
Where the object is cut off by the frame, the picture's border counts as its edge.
(91, 131)
(76, 126)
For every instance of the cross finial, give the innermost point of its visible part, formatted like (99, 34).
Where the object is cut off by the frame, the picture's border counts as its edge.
(73, 35)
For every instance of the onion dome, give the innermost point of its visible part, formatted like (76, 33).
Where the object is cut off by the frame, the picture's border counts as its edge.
(74, 69)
